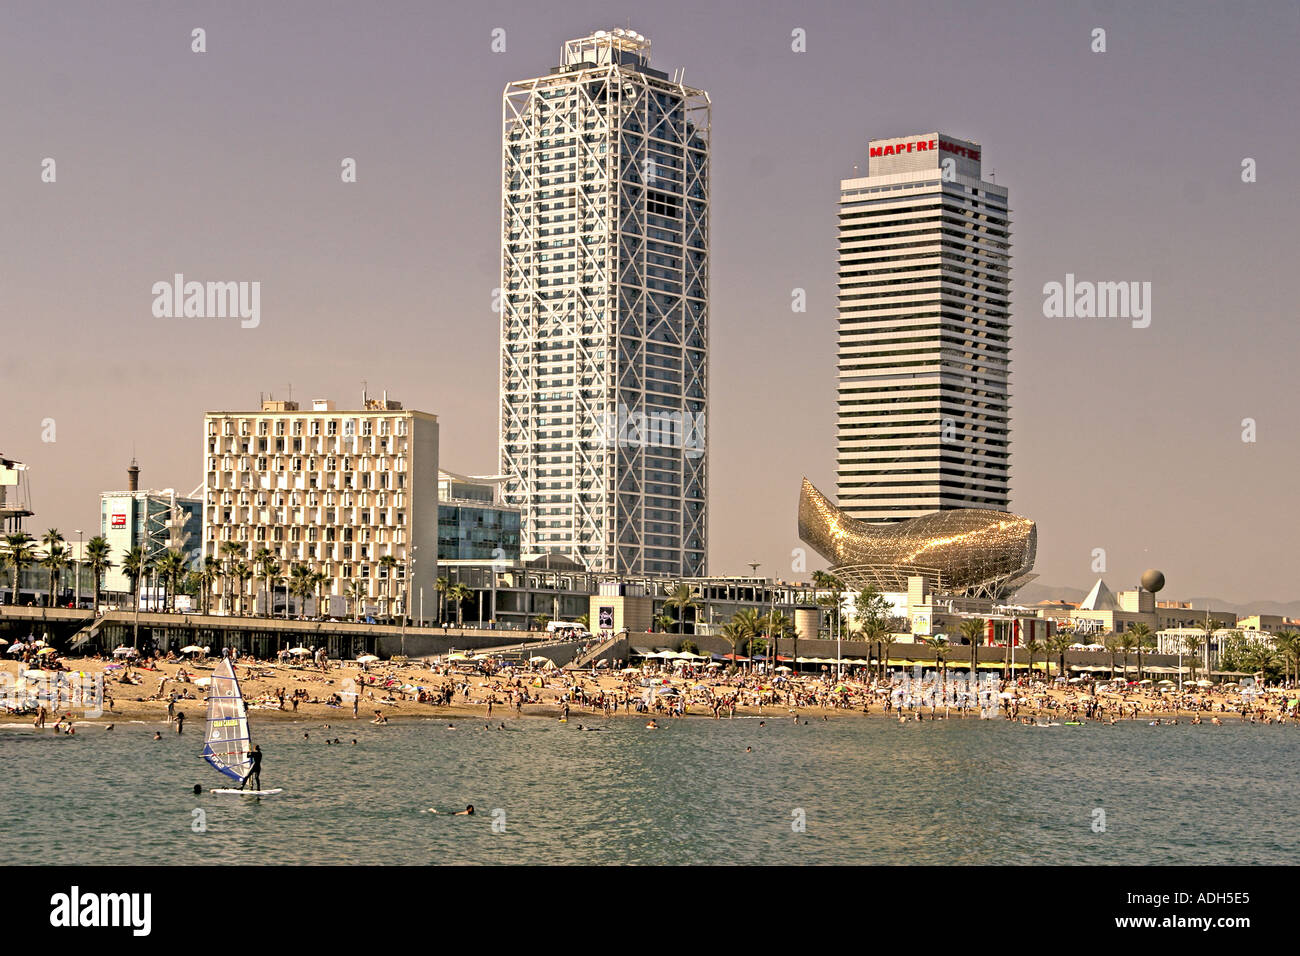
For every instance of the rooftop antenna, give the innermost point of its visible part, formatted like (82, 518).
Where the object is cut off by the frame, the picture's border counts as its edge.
(364, 396)
(290, 391)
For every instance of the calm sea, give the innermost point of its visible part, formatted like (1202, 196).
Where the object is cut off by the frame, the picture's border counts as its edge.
(865, 791)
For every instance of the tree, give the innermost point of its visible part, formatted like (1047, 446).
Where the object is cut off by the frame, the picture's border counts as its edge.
(1111, 643)
(1058, 644)
(97, 552)
(540, 621)
(261, 557)
(320, 579)
(273, 576)
(52, 539)
(389, 564)
(1288, 648)
(19, 544)
(585, 621)
(834, 601)
(681, 599)
(663, 622)
(1143, 639)
(53, 562)
(443, 584)
(356, 595)
(733, 634)
(1032, 646)
(209, 574)
(243, 573)
(940, 646)
(134, 566)
(230, 550)
(688, 647)
(1192, 644)
(973, 630)
(1126, 642)
(301, 585)
(872, 611)
(459, 594)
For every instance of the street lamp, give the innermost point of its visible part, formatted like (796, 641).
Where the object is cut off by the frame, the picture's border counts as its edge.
(754, 566)
(80, 545)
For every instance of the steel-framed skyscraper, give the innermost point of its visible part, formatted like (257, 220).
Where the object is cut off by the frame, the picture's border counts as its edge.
(604, 310)
(924, 333)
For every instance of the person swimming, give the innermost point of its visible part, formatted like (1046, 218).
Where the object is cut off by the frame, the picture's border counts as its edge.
(653, 725)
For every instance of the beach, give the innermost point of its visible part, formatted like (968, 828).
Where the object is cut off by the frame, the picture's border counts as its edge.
(462, 690)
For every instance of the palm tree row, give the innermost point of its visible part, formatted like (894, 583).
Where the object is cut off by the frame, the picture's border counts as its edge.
(20, 552)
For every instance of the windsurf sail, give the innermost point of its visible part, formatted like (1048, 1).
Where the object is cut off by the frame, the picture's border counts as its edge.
(226, 743)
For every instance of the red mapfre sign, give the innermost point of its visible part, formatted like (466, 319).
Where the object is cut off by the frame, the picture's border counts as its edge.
(924, 145)
(119, 521)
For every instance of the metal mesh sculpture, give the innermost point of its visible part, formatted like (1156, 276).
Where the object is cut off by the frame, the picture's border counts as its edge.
(968, 551)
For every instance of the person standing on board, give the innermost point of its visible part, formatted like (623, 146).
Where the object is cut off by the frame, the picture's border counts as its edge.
(255, 771)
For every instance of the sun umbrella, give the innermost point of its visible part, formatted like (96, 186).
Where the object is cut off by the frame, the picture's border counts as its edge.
(192, 649)
(46, 650)
(299, 651)
(40, 643)
(125, 652)
(784, 668)
(1204, 683)
(16, 649)
(538, 659)
(3, 642)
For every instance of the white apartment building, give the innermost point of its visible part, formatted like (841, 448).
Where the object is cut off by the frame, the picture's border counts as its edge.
(924, 333)
(604, 310)
(335, 490)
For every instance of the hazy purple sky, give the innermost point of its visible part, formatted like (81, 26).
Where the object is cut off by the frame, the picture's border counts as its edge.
(1122, 166)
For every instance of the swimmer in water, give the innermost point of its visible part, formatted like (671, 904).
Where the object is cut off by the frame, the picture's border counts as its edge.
(467, 812)
(157, 736)
(749, 750)
(653, 725)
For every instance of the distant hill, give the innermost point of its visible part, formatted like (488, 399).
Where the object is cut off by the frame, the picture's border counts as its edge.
(1034, 592)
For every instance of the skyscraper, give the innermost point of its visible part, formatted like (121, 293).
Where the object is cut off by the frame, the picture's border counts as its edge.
(924, 333)
(604, 310)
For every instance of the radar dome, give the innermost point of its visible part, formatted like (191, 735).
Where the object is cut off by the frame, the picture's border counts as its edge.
(1153, 580)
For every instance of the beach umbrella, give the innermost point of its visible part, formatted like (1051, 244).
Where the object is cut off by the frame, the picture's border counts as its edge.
(299, 651)
(538, 659)
(192, 649)
(40, 643)
(16, 649)
(46, 650)
(125, 652)
(367, 659)
(1204, 683)
(3, 642)
(203, 681)
(784, 669)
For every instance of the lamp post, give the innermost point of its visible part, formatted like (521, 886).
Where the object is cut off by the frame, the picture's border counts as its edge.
(80, 545)
(753, 566)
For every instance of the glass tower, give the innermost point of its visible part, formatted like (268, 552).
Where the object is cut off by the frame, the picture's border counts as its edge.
(604, 310)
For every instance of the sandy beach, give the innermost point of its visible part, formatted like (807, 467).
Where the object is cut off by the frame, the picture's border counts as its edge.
(277, 691)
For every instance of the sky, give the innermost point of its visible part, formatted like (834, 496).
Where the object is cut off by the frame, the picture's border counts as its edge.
(1122, 165)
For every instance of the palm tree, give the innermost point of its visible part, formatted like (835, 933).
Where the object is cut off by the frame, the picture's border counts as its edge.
(941, 647)
(54, 562)
(97, 552)
(1032, 647)
(872, 612)
(585, 621)
(777, 626)
(320, 579)
(260, 558)
(1192, 644)
(272, 576)
(680, 599)
(1111, 643)
(388, 562)
(1143, 639)
(540, 621)
(209, 574)
(134, 567)
(51, 539)
(973, 629)
(733, 634)
(443, 585)
(19, 544)
(301, 585)
(460, 593)
(356, 595)
(1284, 642)
(1058, 644)
(242, 572)
(229, 551)
(824, 580)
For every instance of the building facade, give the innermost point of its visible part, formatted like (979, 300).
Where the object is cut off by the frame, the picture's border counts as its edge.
(604, 310)
(924, 333)
(155, 522)
(473, 522)
(337, 491)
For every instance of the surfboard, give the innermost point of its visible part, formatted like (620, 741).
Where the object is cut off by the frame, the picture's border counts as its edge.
(249, 793)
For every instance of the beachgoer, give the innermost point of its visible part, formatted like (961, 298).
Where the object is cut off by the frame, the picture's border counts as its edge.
(255, 771)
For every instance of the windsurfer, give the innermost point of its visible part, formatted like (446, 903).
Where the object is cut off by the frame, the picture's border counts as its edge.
(255, 771)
